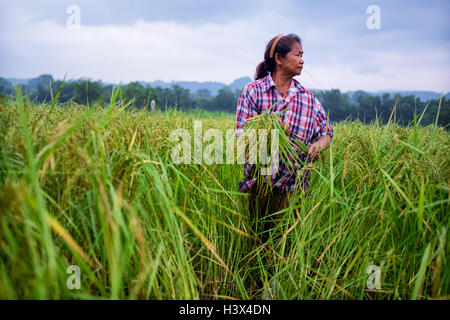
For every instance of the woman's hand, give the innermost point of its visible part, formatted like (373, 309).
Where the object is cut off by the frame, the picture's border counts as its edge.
(314, 151)
(285, 125)
(315, 148)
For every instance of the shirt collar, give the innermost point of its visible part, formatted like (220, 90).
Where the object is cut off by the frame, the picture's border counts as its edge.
(294, 86)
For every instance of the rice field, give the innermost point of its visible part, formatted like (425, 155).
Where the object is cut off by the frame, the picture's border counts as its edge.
(96, 188)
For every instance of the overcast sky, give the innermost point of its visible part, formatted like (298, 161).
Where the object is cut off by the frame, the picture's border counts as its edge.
(224, 40)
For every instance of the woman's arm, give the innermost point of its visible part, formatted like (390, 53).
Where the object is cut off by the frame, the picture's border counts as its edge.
(323, 129)
(314, 149)
(245, 109)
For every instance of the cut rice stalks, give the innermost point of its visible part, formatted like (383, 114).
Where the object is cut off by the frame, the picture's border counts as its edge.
(287, 146)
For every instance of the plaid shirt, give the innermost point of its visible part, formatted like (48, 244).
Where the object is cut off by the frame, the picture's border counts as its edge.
(305, 117)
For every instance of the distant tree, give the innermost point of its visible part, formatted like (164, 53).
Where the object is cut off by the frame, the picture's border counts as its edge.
(203, 93)
(444, 113)
(237, 94)
(44, 79)
(337, 104)
(182, 97)
(361, 105)
(387, 103)
(135, 91)
(366, 106)
(332, 104)
(6, 87)
(89, 92)
(151, 94)
(42, 93)
(225, 100)
(67, 92)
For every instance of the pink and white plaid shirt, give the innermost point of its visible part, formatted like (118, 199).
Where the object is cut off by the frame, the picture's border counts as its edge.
(303, 114)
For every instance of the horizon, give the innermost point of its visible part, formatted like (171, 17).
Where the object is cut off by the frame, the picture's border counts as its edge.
(366, 45)
(445, 94)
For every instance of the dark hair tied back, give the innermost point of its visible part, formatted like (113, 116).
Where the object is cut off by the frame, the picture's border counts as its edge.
(283, 46)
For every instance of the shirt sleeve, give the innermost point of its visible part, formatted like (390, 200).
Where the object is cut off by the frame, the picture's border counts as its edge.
(246, 108)
(322, 123)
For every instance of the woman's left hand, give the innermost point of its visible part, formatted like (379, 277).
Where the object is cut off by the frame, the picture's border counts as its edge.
(314, 151)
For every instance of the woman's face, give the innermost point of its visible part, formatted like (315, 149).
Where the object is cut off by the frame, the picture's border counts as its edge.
(292, 63)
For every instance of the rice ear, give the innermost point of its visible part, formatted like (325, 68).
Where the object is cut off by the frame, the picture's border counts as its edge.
(288, 147)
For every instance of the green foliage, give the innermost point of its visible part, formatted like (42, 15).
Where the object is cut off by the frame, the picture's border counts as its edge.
(225, 100)
(360, 105)
(96, 188)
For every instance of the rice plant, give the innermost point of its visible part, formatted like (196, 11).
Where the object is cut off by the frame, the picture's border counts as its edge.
(95, 187)
(288, 147)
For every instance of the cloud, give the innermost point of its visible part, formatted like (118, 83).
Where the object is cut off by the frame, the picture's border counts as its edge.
(340, 52)
(113, 12)
(142, 51)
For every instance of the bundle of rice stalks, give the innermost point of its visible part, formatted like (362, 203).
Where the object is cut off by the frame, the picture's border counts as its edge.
(287, 147)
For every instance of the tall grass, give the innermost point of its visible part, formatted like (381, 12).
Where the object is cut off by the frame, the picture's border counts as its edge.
(96, 188)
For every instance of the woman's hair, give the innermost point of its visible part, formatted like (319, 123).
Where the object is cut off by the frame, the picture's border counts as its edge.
(283, 46)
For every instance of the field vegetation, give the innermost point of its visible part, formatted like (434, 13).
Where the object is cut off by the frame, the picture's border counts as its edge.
(96, 187)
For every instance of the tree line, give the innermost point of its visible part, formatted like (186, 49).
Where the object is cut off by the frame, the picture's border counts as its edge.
(361, 105)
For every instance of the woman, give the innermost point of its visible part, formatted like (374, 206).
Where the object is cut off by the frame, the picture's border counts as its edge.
(302, 114)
